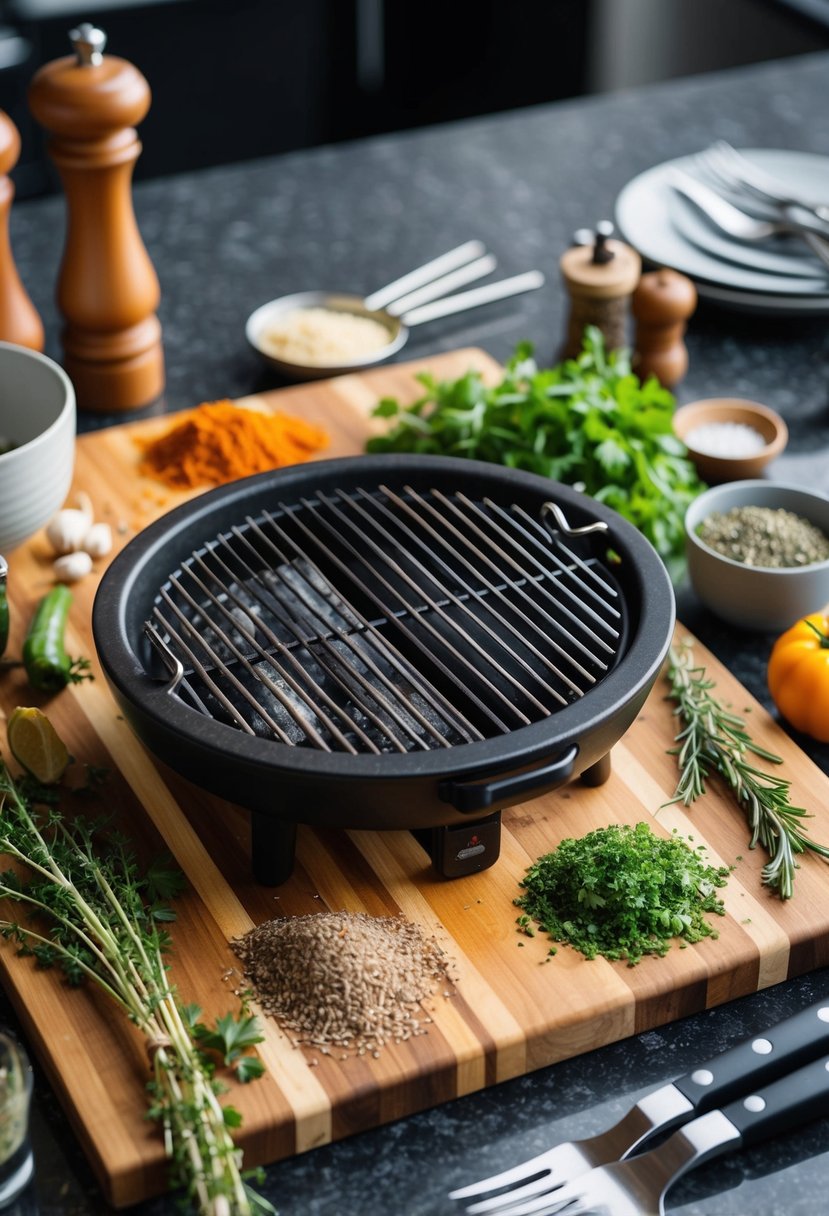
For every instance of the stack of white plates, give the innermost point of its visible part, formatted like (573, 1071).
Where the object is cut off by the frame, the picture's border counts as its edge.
(778, 275)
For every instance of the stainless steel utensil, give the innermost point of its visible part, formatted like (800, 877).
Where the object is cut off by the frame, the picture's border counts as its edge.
(753, 1062)
(417, 297)
(638, 1187)
(443, 274)
(741, 175)
(737, 223)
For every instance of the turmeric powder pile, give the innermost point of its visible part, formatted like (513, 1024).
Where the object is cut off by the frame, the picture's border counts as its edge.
(219, 442)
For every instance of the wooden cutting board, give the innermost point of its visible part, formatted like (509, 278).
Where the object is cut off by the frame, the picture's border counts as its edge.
(509, 1013)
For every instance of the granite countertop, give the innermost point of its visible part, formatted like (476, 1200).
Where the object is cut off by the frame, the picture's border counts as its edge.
(354, 217)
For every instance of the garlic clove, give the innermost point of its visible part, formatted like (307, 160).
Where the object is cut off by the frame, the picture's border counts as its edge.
(85, 505)
(67, 529)
(98, 540)
(72, 567)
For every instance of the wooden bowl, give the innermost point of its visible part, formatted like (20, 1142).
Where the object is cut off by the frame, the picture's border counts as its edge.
(723, 466)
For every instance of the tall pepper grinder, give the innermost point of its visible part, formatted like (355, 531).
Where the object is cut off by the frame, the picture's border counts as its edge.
(662, 305)
(600, 275)
(107, 289)
(20, 322)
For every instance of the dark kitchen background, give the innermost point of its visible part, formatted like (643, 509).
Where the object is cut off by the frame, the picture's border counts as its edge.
(238, 79)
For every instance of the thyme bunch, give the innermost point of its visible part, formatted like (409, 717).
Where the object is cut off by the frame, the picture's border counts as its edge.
(104, 921)
(714, 739)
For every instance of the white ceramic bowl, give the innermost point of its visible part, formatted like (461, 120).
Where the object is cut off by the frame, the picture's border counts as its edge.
(37, 415)
(753, 597)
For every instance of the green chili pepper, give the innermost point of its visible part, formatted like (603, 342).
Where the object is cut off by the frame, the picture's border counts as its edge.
(4, 606)
(48, 667)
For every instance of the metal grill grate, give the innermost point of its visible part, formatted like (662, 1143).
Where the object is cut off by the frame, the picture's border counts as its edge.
(389, 621)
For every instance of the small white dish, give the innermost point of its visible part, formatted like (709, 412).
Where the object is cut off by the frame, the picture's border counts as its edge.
(37, 415)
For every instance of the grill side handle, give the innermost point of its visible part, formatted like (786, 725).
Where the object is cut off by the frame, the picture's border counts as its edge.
(472, 797)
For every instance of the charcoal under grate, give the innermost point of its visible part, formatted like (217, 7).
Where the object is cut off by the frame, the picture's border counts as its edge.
(375, 621)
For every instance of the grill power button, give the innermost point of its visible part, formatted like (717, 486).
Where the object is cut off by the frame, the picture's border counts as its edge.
(466, 849)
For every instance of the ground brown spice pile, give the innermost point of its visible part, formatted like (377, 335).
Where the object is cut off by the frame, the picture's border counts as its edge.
(344, 979)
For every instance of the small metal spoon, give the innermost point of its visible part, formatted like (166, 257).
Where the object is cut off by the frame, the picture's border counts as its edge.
(410, 300)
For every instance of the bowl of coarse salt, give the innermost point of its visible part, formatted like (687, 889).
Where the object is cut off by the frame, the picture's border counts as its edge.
(729, 438)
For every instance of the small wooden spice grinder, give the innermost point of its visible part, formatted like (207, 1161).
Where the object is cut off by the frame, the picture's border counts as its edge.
(600, 275)
(107, 289)
(20, 322)
(662, 305)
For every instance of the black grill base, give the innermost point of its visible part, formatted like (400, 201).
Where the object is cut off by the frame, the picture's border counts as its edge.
(455, 850)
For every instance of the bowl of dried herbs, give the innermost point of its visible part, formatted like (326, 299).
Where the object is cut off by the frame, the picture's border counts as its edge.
(758, 552)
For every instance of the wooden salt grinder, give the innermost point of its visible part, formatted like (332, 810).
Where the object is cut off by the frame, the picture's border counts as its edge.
(662, 304)
(600, 275)
(107, 289)
(19, 319)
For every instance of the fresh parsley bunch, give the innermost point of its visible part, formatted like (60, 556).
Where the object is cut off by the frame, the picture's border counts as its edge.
(588, 422)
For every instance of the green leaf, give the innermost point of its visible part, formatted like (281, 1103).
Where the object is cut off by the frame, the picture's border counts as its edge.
(612, 457)
(190, 1015)
(231, 1036)
(387, 407)
(163, 880)
(248, 1069)
(587, 422)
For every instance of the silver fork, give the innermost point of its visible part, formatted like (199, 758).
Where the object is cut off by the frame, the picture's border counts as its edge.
(753, 1062)
(740, 225)
(638, 1187)
(741, 175)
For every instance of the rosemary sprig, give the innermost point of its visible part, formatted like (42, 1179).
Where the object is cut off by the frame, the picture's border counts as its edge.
(714, 739)
(104, 921)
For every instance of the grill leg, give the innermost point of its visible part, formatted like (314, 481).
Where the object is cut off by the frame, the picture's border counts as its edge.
(272, 845)
(597, 773)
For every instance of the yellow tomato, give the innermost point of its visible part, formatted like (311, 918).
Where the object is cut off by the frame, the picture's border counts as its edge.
(798, 675)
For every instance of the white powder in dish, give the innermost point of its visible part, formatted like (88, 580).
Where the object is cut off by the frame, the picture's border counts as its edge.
(323, 337)
(729, 439)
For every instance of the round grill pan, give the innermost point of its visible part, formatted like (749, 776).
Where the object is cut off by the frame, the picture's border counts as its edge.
(383, 642)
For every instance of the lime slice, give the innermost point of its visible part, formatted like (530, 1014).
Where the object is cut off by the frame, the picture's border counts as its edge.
(36, 745)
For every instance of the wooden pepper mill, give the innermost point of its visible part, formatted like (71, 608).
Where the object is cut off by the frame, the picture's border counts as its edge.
(20, 322)
(107, 290)
(600, 275)
(662, 305)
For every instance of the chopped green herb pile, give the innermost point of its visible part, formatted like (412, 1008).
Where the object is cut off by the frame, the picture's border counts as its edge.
(622, 892)
(87, 907)
(588, 422)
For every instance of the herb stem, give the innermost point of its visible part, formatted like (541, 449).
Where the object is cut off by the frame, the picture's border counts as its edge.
(103, 929)
(714, 739)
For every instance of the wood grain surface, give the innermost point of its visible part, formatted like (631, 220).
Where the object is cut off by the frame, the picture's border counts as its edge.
(511, 1011)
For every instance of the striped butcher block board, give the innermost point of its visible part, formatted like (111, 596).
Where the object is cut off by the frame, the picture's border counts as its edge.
(508, 1014)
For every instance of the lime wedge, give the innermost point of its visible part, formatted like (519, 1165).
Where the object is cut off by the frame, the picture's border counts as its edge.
(36, 745)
